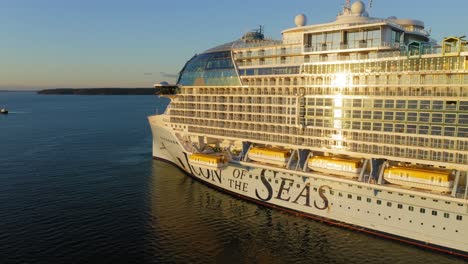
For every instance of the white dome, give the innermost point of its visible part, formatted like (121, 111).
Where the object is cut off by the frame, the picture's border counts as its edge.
(358, 7)
(300, 20)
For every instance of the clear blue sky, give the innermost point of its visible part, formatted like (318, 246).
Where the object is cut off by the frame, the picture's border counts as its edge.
(135, 43)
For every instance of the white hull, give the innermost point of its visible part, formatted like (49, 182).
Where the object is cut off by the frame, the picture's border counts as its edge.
(373, 208)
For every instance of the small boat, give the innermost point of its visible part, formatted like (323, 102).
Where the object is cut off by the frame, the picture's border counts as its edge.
(350, 168)
(421, 178)
(3, 111)
(208, 161)
(270, 155)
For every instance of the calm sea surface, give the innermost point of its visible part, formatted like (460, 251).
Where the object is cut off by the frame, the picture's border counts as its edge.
(78, 185)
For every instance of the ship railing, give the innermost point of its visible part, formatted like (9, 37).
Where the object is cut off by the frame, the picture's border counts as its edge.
(359, 45)
(256, 44)
(374, 21)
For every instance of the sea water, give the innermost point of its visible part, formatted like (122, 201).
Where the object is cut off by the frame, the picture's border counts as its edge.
(78, 185)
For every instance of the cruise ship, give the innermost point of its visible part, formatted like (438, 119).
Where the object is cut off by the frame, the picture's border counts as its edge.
(361, 122)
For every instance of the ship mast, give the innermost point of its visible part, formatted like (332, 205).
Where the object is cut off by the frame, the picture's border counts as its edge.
(347, 7)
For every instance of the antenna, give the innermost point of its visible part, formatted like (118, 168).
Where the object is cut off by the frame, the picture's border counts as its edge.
(370, 6)
(348, 4)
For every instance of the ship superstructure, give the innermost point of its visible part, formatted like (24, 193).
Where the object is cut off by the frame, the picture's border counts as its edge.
(360, 121)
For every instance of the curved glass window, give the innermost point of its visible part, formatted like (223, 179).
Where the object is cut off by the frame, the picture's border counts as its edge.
(209, 69)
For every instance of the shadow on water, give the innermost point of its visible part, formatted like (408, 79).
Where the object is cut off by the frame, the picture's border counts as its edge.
(194, 223)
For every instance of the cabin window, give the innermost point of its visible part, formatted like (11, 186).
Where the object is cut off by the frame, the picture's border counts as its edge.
(332, 192)
(389, 204)
(434, 213)
(369, 200)
(350, 196)
(400, 206)
(340, 194)
(446, 215)
(422, 210)
(358, 198)
(459, 217)
(379, 202)
(411, 208)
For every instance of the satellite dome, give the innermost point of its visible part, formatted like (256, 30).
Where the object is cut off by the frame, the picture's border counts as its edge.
(300, 20)
(358, 7)
(163, 83)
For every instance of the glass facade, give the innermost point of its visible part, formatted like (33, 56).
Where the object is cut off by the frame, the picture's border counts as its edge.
(270, 71)
(209, 69)
(344, 40)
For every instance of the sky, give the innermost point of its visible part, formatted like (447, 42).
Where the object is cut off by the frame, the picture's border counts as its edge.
(136, 43)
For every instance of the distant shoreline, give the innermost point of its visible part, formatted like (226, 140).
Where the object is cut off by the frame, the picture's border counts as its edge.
(99, 91)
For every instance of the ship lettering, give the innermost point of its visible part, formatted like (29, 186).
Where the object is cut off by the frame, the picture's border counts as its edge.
(285, 189)
(215, 176)
(238, 185)
(306, 194)
(321, 192)
(267, 186)
(239, 173)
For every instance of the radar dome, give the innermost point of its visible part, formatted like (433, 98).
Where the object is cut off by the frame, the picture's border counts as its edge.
(358, 7)
(300, 20)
